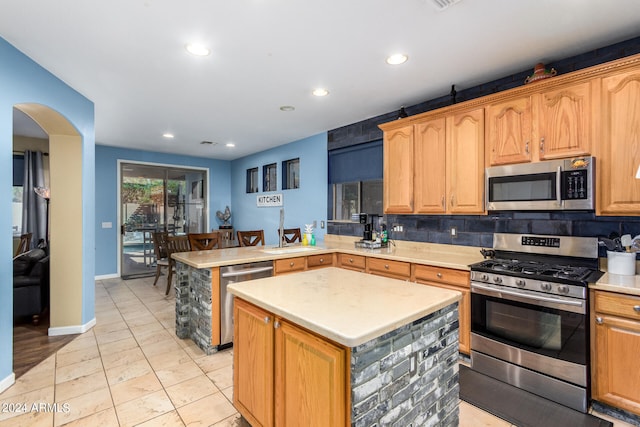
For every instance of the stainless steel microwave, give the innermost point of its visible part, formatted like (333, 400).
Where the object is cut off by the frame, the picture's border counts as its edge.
(566, 184)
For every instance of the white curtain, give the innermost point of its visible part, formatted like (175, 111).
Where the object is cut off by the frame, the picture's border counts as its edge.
(34, 207)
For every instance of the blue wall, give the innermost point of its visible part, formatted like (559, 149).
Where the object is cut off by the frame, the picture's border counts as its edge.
(302, 206)
(106, 172)
(24, 81)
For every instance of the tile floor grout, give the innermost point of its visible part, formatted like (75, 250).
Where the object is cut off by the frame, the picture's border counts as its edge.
(119, 390)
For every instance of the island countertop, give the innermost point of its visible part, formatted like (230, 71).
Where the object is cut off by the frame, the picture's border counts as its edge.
(345, 306)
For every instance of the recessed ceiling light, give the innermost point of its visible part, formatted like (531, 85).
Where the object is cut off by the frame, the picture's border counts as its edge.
(168, 135)
(197, 49)
(287, 108)
(230, 144)
(397, 59)
(320, 92)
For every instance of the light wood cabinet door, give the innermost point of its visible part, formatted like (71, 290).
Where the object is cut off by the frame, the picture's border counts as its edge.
(509, 131)
(398, 170)
(430, 167)
(618, 147)
(253, 358)
(615, 368)
(563, 122)
(310, 379)
(465, 162)
(393, 269)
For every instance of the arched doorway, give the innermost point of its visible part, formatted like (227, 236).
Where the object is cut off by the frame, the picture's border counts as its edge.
(66, 221)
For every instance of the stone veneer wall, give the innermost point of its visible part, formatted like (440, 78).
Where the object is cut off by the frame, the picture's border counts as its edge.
(386, 390)
(193, 306)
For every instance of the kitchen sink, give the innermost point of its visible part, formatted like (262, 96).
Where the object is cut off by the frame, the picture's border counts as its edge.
(288, 250)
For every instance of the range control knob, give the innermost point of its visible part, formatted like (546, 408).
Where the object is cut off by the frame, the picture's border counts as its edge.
(520, 283)
(484, 277)
(497, 279)
(563, 289)
(545, 286)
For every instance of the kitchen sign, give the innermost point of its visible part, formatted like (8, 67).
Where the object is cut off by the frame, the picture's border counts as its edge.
(269, 200)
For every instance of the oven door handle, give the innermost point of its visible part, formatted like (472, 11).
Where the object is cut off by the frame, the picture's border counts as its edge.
(576, 306)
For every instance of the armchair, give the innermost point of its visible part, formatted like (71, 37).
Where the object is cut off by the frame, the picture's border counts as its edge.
(30, 285)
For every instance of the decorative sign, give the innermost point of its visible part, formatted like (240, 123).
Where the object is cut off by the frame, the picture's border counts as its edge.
(269, 200)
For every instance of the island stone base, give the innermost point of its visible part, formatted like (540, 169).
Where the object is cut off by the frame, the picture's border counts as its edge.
(408, 377)
(193, 306)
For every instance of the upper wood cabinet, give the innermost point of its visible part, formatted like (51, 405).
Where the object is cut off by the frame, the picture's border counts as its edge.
(618, 147)
(509, 131)
(465, 162)
(398, 170)
(563, 121)
(436, 166)
(553, 124)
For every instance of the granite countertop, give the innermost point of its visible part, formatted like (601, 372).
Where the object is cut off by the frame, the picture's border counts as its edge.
(345, 306)
(448, 256)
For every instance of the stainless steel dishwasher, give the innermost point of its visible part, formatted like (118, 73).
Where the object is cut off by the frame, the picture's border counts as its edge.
(234, 274)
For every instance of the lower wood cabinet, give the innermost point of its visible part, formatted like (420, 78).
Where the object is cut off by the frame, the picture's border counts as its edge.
(285, 375)
(289, 265)
(352, 262)
(393, 269)
(615, 354)
(319, 261)
(457, 280)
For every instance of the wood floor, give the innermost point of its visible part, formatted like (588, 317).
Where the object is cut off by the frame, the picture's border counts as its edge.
(32, 345)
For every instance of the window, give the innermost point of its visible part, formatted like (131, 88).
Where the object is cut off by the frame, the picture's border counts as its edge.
(357, 197)
(269, 177)
(291, 174)
(252, 180)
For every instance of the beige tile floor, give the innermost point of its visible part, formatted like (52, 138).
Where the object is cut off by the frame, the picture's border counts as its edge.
(131, 370)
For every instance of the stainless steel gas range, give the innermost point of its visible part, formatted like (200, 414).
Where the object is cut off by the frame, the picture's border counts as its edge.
(530, 314)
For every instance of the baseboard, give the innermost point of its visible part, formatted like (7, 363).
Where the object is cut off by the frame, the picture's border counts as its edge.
(7, 382)
(107, 276)
(72, 330)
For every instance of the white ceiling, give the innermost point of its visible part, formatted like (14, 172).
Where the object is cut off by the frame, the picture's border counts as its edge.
(128, 57)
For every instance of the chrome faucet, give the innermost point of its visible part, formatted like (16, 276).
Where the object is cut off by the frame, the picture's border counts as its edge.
(281, 229)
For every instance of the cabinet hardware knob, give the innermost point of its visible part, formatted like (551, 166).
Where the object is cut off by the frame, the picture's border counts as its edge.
(599, 320)
(542, 145)
(444, 207)
(266, 319)
(321, 260)
(452, 200)
(439, 275)
(636, 308)
(386, 266)
(291, 264)
(276, 324)
(351, 260)
(526, 147)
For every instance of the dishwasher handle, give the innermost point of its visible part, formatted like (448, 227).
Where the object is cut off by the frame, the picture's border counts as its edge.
(246, 271)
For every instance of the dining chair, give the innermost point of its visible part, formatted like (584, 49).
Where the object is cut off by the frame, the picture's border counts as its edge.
(291, 235)
(24, 245)
(251, 238)
(160, 251)
(175, 244)
(204, 241)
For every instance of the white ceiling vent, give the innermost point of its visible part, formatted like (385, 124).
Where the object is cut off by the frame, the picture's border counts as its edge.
(442, 4)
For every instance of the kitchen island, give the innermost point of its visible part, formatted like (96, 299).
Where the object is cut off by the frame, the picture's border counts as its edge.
(337, 347)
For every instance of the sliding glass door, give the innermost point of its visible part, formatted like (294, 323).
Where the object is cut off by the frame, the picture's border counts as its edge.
(157, 198)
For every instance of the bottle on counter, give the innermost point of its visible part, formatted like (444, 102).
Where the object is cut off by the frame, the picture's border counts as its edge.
(313, 240)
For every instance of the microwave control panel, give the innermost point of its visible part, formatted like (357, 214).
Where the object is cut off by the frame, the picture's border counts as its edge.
(575, 184)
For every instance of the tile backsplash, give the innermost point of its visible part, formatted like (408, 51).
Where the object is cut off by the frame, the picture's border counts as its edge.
(477, 230)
